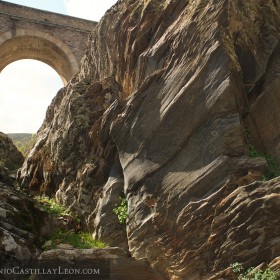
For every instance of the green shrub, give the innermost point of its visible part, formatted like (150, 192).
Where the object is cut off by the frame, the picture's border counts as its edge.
(121, 210)
(81, 240)
(273, 167)
(254, 274)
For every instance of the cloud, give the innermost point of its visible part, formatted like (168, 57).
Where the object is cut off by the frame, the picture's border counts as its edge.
(88, 9)
(25, 95)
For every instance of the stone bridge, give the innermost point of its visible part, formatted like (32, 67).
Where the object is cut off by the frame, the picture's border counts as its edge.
(54, 39)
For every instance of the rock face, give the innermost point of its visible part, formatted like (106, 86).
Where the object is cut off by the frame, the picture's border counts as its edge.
(17, 212)
(19, 226)
(165, 88)
(10, 157)
(106, 225)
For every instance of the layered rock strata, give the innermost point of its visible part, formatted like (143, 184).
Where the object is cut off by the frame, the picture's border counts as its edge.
(165, 88)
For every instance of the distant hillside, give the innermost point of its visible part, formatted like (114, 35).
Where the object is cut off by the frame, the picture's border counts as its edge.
(20, 137)
(23, 141)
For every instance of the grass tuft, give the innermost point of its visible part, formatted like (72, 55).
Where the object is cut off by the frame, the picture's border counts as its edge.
(81, 240)
(51, 206)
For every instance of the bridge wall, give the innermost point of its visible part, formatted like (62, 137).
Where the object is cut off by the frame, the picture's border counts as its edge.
(55, 39)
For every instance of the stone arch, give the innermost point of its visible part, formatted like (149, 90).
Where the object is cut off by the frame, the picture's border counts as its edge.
(33, 44)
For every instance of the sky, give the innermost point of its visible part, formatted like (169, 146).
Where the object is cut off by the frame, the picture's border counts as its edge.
(28, 86)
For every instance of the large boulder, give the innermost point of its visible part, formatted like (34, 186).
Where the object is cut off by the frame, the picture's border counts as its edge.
(164, 89)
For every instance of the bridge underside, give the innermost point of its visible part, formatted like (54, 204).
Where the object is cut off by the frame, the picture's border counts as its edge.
(31, 47)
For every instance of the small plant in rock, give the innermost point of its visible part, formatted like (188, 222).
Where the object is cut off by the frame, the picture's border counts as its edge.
(237, 267)
(273, 167)
(253, 152)
(51, 206)
(253, 273)
(81, 240)
(121, 210)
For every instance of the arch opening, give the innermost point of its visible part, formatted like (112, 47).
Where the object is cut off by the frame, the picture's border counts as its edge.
(27, 88)
(32, 44)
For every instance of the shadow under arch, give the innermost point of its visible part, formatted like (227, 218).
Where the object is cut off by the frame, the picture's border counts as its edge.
(33, 44)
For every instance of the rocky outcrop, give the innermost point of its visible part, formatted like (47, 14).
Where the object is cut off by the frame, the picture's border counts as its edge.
(17, 216)
(10, 157)
(111, 263)
(164, 89)
(20, 222)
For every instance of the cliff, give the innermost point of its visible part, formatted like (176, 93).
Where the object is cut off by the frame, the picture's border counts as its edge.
(160, 113)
